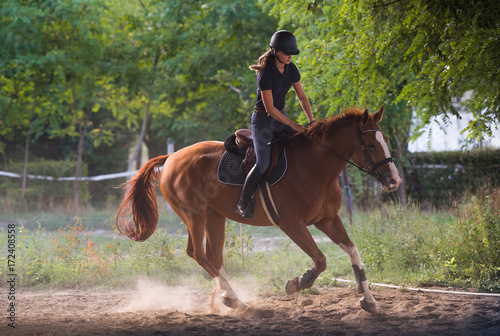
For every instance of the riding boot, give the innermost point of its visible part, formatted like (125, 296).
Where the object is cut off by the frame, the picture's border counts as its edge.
(246, 203)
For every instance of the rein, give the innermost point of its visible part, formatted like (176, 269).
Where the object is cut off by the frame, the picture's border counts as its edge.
(372, 168)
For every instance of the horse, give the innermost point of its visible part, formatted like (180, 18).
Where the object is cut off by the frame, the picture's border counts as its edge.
(308, 194)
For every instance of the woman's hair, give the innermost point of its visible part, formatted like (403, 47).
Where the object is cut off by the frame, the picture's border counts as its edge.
(263, 61)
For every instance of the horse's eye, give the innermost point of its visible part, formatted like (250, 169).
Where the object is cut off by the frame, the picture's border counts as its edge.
(371, 146)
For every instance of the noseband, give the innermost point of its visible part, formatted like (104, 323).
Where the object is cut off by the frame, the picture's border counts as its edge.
(371, 168)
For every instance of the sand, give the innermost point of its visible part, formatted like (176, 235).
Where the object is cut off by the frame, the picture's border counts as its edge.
(155, 309)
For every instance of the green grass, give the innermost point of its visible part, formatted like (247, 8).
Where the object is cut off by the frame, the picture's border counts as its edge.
(398, 244)
(103, 219)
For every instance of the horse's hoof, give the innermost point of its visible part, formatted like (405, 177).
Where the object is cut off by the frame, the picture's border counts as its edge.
(229, 302)
(370, 307)
(292, 286)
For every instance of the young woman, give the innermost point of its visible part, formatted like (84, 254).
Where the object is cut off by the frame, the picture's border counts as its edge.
(276, 74)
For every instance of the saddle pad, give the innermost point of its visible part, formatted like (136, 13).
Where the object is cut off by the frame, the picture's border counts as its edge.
(229, 169)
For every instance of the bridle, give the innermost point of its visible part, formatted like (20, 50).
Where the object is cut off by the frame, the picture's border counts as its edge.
(371, 168)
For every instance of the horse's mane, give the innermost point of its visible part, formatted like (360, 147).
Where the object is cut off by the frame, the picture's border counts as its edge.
(333, 123)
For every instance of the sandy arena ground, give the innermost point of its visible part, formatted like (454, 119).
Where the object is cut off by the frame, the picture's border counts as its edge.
(153, 309)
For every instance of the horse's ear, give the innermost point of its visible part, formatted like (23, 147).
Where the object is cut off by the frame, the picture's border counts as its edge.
(378, 115)
(365, 117)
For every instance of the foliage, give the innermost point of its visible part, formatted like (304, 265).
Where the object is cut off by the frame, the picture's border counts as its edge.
(398, 242)
(68, 258)
(74, 256)
(86, 73)
(475, 258)
(414, 53)
(238, 244)
(341, 64)
(59, 66)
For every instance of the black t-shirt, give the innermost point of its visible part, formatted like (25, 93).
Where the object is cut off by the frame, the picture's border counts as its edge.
(271, 79)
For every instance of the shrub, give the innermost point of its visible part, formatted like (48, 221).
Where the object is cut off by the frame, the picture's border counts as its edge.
(398, 243)
(475, 259)
(433, 178)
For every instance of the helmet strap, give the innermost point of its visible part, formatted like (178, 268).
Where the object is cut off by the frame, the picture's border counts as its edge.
(274, 52)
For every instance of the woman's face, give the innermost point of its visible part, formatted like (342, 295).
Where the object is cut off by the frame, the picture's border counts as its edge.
(285, 58)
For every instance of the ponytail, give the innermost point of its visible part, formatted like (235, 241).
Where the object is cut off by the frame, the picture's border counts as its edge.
(263, 61)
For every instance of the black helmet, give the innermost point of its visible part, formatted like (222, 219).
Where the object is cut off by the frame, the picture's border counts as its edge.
(285, 41)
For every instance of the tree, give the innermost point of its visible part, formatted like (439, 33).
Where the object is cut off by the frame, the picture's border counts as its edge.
(59, 49)
(83, 82)
(451, 47)
(187, 66)
(424, 53)
(26, 69)
(341, 66)
(410, 55)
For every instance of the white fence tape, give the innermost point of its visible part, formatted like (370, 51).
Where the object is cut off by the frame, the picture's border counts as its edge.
(422, 289)
(83, 178)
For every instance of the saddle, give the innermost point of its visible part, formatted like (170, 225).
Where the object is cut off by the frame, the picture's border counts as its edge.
(239, 158)
(241, 143)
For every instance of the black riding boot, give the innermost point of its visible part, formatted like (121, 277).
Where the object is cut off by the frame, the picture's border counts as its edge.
(246, 203)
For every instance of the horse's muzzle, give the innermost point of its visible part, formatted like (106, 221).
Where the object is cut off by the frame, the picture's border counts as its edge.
(391, 183)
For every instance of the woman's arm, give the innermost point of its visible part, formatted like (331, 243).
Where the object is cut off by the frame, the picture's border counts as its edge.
(304, 102)
(267, 99)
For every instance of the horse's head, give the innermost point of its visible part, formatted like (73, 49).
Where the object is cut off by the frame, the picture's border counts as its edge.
(372, 153)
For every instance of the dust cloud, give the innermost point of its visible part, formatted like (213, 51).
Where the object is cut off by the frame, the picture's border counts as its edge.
(150, 295)
(154, 296)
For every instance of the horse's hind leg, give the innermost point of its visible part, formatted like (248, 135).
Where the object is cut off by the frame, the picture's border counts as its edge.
(334, 229)
(196, 226)
(215, 231)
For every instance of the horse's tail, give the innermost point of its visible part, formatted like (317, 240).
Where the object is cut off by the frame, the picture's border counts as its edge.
(139, 198)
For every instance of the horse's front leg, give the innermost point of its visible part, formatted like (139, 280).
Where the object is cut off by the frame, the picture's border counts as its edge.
(368, 303)
(301, 236)
(335, 230)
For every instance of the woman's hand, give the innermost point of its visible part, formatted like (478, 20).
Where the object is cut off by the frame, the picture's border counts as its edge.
(299, 128)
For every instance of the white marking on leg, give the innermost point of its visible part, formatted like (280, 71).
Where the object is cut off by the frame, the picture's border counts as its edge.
(353, 254)
(223, 272)
(225, 287)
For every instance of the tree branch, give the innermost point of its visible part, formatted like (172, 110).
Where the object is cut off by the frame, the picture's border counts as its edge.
(387, 4)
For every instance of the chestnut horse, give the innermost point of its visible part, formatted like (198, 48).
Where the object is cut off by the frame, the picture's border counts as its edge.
(308, 194)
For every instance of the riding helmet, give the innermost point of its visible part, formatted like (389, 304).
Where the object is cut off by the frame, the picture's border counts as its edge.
(285, 41)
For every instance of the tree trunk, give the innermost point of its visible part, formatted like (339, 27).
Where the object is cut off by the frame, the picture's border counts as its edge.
(401, 192)
(141, 138)
(138, 162)
(347, 189)
(82, 130)
(156, 146)
(78, 175)
(26, 155)
(25, 170)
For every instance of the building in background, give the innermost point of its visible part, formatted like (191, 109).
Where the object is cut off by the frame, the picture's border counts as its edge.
(447, 136)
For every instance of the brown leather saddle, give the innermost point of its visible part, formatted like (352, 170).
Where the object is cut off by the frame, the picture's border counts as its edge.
(241, 142)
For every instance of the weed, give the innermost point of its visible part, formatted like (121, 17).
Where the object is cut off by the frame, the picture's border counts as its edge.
(475, 258)
(237, 244)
